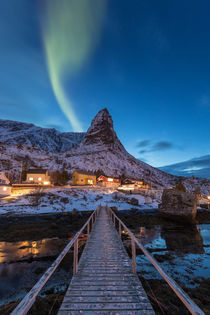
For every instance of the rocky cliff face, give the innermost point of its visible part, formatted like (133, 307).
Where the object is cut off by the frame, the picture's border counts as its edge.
(101, 132)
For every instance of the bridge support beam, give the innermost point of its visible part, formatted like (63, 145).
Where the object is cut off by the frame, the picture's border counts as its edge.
(133, 246)
(75, 264)
(88, 229)
(120, 229)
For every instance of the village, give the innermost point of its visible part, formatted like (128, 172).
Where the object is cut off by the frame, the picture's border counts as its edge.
(43, 191)
(41, 178)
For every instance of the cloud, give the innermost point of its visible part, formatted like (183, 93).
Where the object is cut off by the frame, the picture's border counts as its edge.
(147, 146)
(143, 143)
(162, 145)
(199, 167)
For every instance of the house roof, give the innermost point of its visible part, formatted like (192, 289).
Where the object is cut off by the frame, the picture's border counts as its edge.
(36, 171)
(84, 172)
(108, 177)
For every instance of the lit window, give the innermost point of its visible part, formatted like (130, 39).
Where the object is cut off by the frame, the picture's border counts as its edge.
(4, 188)
(39, 178)
(31, 178)
(110, 179)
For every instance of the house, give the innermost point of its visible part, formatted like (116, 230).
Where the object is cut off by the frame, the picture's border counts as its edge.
(134, 184)
(80, 177)
(106, 181)
(38, 176)
(128, 181)
(5, 187)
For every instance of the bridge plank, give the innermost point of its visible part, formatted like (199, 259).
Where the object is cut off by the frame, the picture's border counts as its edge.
(105, 283)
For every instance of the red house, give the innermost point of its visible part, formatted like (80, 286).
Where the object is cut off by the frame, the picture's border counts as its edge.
(105, 181)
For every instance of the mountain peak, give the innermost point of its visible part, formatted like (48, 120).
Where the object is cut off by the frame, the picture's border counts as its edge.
(101, 131)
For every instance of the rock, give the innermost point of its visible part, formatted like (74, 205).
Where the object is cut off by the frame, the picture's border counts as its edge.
(178, 203)
(134, 202)
(101, 132)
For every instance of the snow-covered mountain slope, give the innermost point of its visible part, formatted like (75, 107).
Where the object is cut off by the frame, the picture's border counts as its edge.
(97, 150)
(102, 150)
(48, 139)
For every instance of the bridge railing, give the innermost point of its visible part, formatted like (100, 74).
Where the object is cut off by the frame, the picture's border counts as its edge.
(26, 303)
(183, 296)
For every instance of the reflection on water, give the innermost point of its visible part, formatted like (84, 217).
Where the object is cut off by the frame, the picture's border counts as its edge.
(187, 240)
(183, 252)
(23, 263)
(10, 252)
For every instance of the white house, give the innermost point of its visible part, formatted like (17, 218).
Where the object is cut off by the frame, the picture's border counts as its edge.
(38, 176)
(5, 187)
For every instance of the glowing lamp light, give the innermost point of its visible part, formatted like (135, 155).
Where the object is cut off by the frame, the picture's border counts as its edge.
(46, 183)
(208, 197)
(31, 178)
(4, 188)
(110, 179)
(34, 244)
(40, 179)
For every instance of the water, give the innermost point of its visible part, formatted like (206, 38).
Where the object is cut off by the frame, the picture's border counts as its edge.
(23, 263)
(183, 252)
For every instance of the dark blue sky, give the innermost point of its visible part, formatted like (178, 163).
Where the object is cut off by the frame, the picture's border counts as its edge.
(150, 66)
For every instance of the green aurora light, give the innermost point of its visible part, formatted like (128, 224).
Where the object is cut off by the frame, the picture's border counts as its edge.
(70, 30)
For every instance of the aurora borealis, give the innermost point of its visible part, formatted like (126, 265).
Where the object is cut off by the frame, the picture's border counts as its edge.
(70, 32)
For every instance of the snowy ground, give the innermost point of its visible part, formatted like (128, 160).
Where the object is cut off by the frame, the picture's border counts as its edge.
(55, 200)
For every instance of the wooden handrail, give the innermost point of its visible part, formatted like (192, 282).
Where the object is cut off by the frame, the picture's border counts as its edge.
(26, 303)
(183, 296)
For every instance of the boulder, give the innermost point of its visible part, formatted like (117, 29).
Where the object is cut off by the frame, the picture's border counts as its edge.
(179, 204)
(134, 202)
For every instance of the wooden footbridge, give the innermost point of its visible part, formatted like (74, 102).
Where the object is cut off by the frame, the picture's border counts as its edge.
(104, 280)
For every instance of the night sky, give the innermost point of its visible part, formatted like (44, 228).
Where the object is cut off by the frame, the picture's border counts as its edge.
(148, 62)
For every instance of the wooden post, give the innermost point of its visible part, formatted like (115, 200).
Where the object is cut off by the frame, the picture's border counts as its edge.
(120, 229)
(133, 246)
(114, 219)
(88, 228)
(92, 221)
(75, 264)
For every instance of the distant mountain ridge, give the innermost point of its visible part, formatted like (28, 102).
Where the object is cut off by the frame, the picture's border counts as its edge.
(47, 139)
(99, 149)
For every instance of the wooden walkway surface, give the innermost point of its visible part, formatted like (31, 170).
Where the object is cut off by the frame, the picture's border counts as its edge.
(105, 283)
